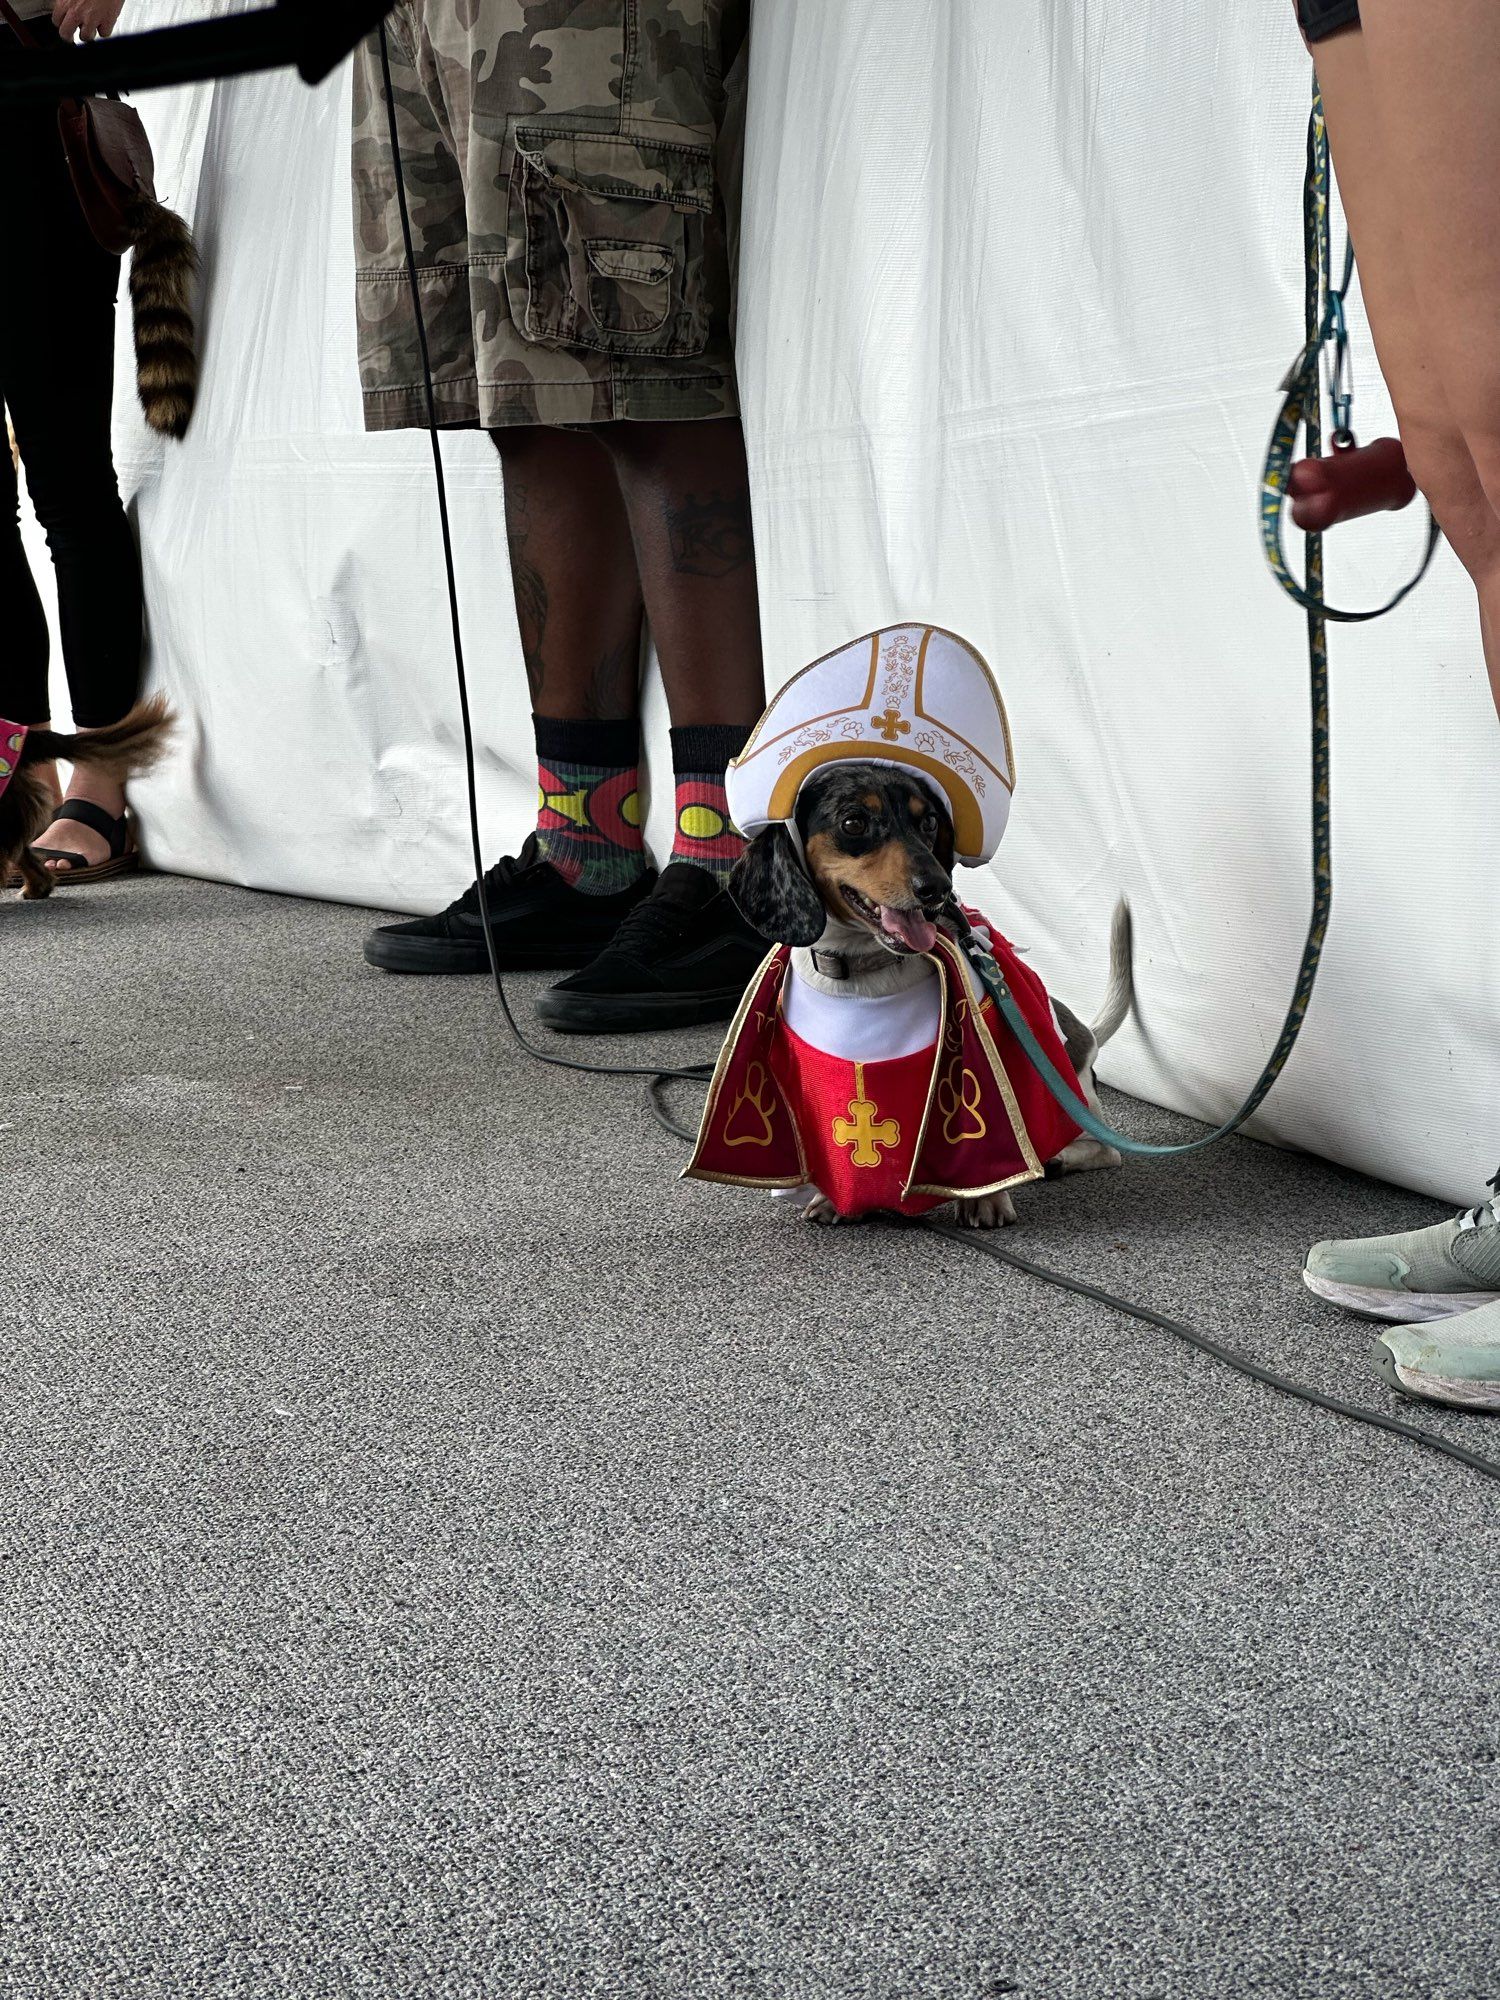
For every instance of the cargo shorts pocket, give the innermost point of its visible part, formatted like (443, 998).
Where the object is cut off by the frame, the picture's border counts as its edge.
(606, 242)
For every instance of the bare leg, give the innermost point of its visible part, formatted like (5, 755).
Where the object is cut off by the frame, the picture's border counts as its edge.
(1413, 104)
(573, 569)
(687, 495)
(1414, 120)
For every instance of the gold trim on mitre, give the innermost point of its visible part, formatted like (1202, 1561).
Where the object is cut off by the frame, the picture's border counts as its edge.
(843, 738)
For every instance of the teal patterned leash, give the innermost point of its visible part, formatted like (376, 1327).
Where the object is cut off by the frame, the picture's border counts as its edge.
(1305, 400)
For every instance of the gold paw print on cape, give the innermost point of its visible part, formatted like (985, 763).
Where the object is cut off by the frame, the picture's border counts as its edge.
(750, 1115)
(959, 1104)
(864, 1130)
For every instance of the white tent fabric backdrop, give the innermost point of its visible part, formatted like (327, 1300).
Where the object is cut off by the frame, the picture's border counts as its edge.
(1018, 281)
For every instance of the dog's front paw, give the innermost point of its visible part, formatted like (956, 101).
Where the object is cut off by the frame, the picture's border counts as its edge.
(36, 881)
(1085, 1155)
(986, 1211)
(820, 1209)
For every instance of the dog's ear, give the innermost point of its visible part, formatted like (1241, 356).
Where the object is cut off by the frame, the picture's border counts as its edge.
(773, 891)
(942, 847)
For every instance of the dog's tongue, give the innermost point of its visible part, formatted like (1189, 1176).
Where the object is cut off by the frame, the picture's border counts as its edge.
(916, 932)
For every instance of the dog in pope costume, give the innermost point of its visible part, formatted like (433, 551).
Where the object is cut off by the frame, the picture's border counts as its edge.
(866, 1068)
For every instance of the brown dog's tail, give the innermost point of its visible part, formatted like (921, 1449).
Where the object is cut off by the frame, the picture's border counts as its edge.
(133, 744)
(162, 270)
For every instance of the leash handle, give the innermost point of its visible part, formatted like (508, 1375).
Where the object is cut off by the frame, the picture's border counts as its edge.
(1301, 408)
(17, 26)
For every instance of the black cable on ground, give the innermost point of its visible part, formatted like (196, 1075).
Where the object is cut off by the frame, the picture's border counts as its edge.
(1231, 1357)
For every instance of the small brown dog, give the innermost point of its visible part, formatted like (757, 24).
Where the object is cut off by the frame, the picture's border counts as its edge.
(125, 748)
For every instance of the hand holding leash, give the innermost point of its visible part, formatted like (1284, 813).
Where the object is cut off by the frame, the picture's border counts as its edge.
(86, 18)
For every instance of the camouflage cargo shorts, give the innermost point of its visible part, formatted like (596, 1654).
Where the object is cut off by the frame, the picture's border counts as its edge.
(566, 166)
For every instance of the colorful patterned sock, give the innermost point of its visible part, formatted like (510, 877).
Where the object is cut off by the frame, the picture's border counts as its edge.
(700, 757)
(589, 812)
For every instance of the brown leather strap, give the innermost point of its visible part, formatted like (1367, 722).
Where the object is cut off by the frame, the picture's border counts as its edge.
(18, 26)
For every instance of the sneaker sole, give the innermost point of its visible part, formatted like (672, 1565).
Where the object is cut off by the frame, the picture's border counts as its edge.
(432, 955)
(1405, 1308)
(634, 1013)
(1445, 1389)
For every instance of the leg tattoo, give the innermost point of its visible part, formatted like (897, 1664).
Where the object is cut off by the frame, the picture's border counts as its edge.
(614, 684)
(711, 537)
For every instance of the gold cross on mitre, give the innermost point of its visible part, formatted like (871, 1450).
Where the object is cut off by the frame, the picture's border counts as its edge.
(864, 1130)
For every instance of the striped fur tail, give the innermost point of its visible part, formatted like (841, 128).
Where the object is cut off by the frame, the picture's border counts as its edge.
(162, 270)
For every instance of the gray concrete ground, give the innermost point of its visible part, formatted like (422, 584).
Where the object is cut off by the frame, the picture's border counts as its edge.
(442, 1555)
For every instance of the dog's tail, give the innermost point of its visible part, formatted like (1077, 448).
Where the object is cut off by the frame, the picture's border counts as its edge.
(126, 747)
(163, 267)
(1120, 996)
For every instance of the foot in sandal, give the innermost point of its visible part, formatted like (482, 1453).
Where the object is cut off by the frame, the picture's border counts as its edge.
(89, 835)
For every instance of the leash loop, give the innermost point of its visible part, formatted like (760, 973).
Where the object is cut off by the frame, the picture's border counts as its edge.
(1326, 331)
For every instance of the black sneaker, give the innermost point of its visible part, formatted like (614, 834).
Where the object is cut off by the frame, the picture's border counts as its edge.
(684, 955)
(540, 923)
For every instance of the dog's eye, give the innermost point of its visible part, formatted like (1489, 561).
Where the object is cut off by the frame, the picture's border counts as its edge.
(930, 825)
(854, 824)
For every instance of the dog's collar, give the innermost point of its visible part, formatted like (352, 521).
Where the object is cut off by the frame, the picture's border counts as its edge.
(12, 737)
(846, 964)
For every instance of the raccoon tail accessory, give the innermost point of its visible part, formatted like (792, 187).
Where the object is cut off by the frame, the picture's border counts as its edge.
(162, 270)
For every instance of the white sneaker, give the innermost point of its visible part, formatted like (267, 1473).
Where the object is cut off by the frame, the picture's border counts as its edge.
(1457, 1363)
(1425, 1274)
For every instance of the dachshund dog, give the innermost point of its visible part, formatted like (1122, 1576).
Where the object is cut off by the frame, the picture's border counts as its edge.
(864, 912)
(126, 747)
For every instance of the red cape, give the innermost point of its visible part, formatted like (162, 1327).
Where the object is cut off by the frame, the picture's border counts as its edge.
(966, 1116)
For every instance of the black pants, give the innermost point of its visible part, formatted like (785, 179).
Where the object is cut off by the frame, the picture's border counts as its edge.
(57, 380)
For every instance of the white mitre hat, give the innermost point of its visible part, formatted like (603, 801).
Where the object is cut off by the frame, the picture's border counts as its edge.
(911, 694)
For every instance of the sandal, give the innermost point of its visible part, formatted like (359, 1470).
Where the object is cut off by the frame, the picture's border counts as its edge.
(123, 852)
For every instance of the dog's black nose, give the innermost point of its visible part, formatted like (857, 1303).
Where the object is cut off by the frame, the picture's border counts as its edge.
(931, 887)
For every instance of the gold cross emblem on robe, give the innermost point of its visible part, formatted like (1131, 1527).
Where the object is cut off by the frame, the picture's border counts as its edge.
(864, 1131)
